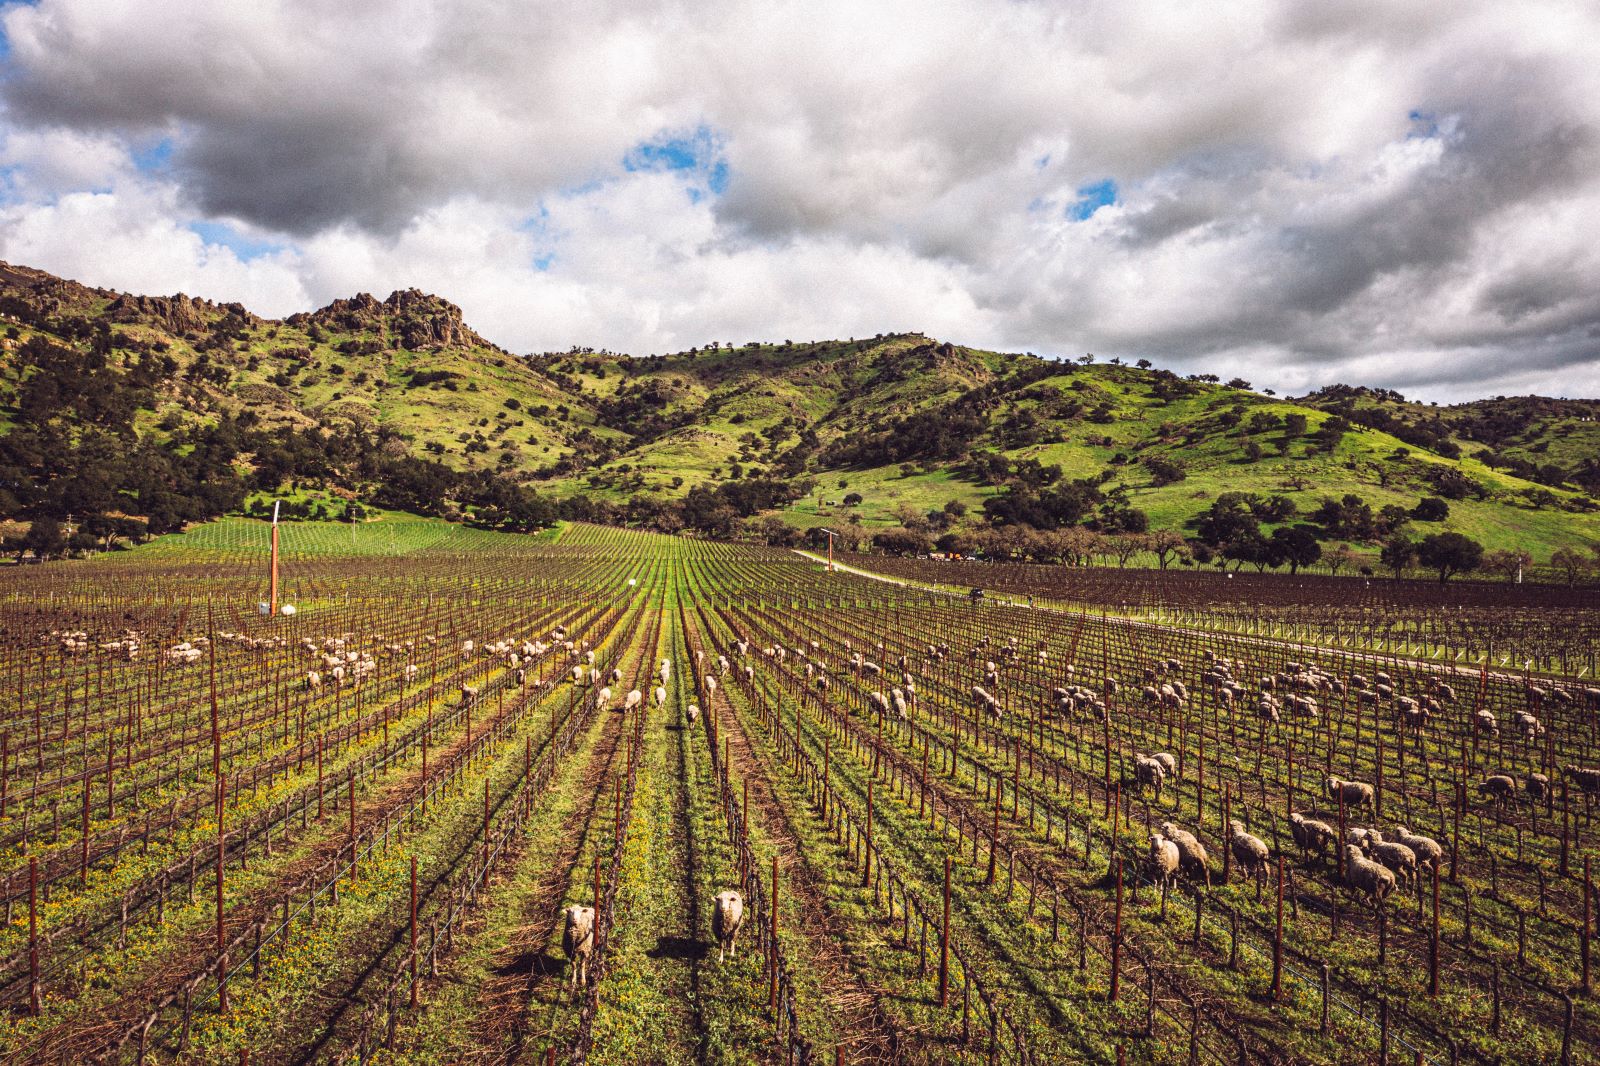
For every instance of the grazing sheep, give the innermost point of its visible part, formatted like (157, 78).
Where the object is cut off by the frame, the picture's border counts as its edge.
(616, 675)
(726, 916)
(578, 675)
(602, 698)
(469, 695)
(661, 695)
(1587, 780)
(1484, 722)
(711, 682)
(313, 679)
(1537, 787)
(1529, 726)
(879, 702)
(1426, 849)
(1500, 788)
(1356, 794)
(1168, 763)
(984, 701)
(1312, 834)
(694, 714)
(632, 699)
(1164, 860)
(900, 707)
(1399, 858)
(577, 940)
(1367, 876)
(1148, 773)
(1250, 852)
(1191, 852)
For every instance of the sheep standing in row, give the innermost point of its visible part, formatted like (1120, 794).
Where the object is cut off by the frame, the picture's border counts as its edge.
(577, 940)
(727, 914)
(1148, 773)
(1427, 850)
(1367, 876)
(1165, 859)
(1250, 852)
(1400, 860)
(1191, 852)
(1312, 834)
(632, 699)
(1356, 794)
(661, 695)
(693, 714)
(1499, 789)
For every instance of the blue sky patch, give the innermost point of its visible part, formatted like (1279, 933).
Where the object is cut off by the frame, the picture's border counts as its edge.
(1092, 198)
(153, 157)
(696, 154)
(246, 248)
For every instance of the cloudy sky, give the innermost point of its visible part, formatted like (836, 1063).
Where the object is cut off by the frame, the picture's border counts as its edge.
(1394, 192)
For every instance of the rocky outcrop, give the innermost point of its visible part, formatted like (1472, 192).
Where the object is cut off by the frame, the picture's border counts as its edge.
(414, 319)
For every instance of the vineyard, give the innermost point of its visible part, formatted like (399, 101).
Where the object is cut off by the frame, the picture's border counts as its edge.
(353, 834)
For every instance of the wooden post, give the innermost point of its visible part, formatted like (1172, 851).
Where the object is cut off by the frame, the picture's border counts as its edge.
(772, 994)
(944, 942)
(866, 855)
(1433, 940)
(413, 932)
(33, 930)
(222, 941)
(1116, 938)
(1277, 940)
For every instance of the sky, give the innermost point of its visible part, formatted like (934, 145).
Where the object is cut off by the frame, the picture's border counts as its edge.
(1397, 193)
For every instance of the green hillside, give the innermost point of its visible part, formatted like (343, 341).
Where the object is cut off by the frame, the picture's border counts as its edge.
(398, 403)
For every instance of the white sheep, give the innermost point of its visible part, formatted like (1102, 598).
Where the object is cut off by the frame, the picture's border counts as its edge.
(577, 940)
(1356, 794)
(1250, 852)
(1191, 851)
(1375, 879)
(727, 915)
(1164, 860)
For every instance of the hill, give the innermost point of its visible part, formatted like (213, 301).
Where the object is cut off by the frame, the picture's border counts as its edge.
(172, 409)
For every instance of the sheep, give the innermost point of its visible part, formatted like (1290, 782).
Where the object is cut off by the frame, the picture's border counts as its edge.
(694, 714)
(879, 701)
(1312, 834)
(1537, 787)
(666, 670)
(313, 679)
(984, 700)
(727, 914)
(1399, 858)
(1168, 763)
(1148, 772)
(1529, 726)
(1587, 780)
(1370, 877)
(900, 706)
(616, 675)
(661, 695)
(578, 675)
(1192, 853)
(710, 684)
(602, 698)
(1250, 852)
(1426, 849)
(469, 695)
(1164, 860)
(632, 699)
(1355, 794)
(1499, 788)
(577, 940)
(1483, 721)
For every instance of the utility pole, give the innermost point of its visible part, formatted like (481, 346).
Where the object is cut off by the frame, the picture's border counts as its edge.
(831, 534)
(272, 598)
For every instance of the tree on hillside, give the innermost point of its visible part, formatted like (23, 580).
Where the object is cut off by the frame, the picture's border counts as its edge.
(1449, 553)
(44, 538)
(1294, 547)
(1430, 509)
(1168, 545)
(1571, 563)
(1398, 554)
(1509, 563)
(1339, 557)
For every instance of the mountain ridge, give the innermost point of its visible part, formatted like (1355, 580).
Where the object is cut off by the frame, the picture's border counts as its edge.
(907, 422)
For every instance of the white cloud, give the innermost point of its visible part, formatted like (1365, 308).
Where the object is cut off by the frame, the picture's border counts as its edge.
(1351, 190)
